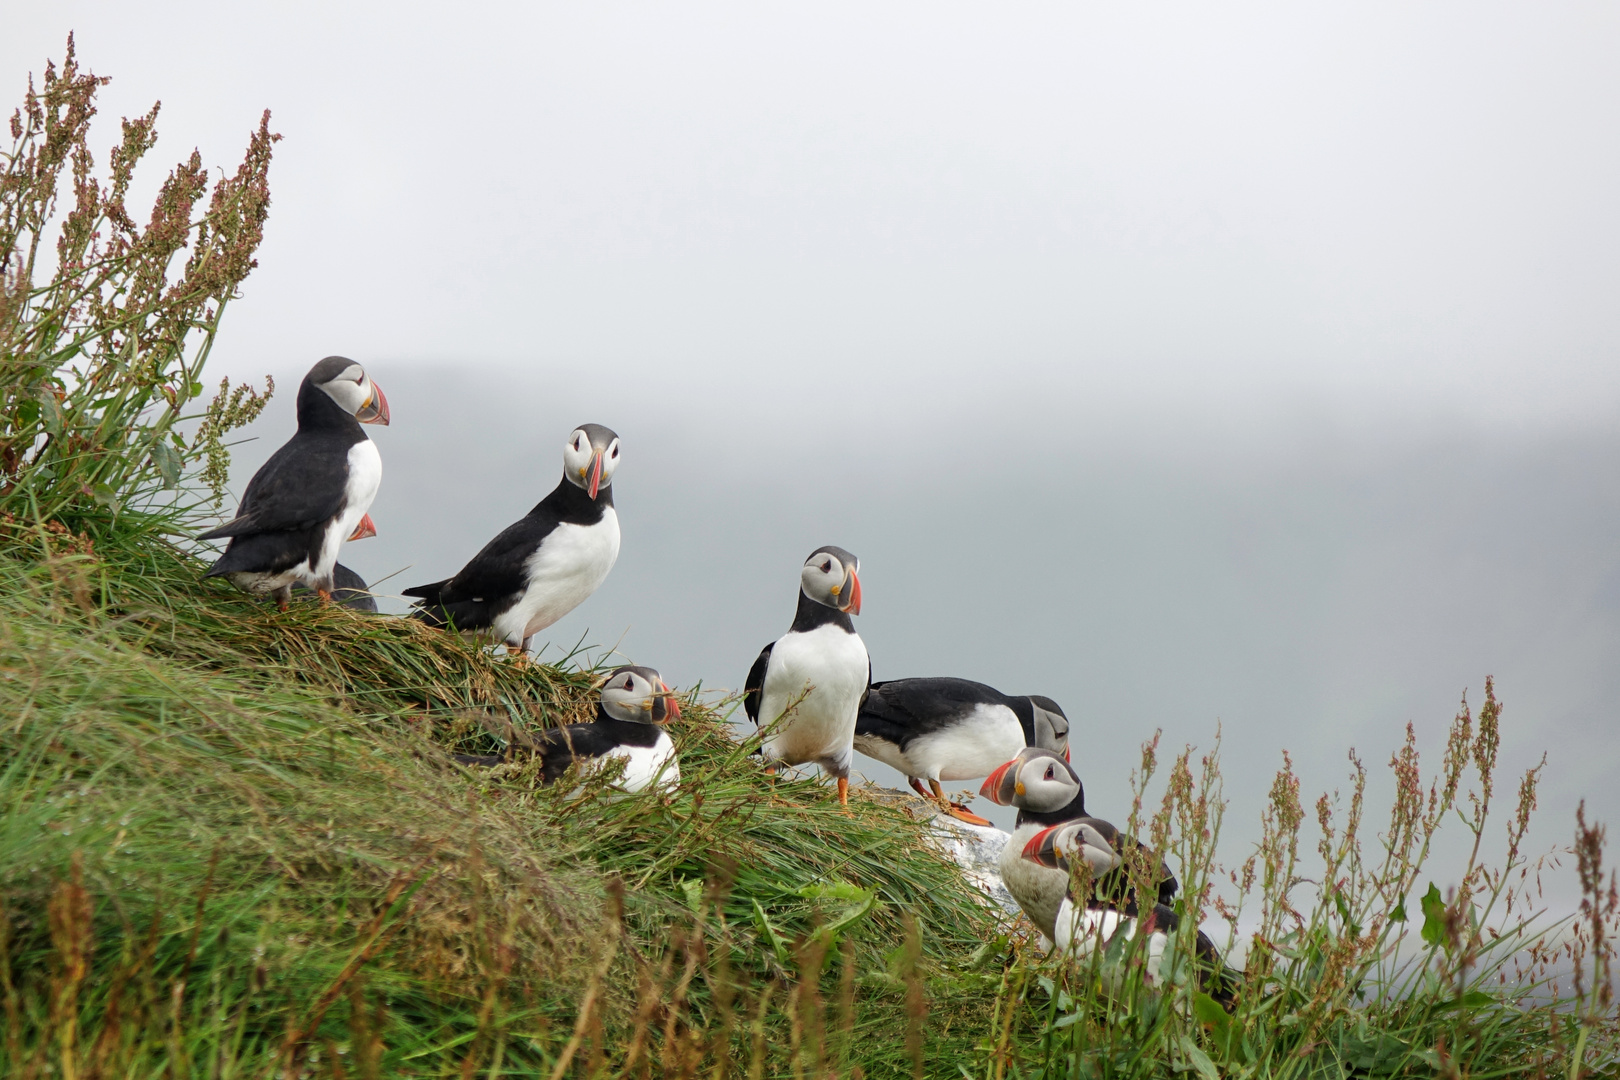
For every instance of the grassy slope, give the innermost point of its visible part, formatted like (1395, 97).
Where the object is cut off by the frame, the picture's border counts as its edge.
(232, 836)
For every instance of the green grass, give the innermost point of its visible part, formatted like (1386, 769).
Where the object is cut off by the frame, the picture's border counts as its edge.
(249, 826)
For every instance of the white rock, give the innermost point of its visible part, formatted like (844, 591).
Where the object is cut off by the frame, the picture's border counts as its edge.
(977, 849)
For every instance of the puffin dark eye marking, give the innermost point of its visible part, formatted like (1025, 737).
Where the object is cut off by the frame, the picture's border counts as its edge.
(826, 568)
(1049, 773)
(615, 451)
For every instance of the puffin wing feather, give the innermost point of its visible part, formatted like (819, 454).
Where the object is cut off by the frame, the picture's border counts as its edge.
(302, 485)
(491, 581)
(754, 685)
(900, 710)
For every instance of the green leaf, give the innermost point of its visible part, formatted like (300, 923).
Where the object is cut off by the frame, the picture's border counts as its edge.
(833, 890)
(1434, 916)
(1345, 916)
(768, 932)
(50, 411)
(168, 463)
(1209, 1012)
(1377, 1054)
(1473, 999)
(1399, 914)
(105, 496)
(1200, 1060)
(987, 952)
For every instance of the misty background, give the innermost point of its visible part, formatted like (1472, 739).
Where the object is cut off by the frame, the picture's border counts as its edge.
(1250, 366)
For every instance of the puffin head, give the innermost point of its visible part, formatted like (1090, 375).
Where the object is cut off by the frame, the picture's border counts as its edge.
(347, 383)
(1037, 779)
(590, 457)
(1051, 725)
(1069, 844)
(829, 577)
(639, 695)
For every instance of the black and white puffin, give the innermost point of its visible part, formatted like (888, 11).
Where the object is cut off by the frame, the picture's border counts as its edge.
(1095, 917)
(953, 729)
(631, 709)
(1048, 792)
(313, 493)
(805, 689)
(546, 564)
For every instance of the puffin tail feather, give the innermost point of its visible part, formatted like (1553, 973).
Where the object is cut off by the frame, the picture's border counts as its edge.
(234, 527)
(430, 593)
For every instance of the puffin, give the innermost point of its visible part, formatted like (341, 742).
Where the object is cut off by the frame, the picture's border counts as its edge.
(953, 729)
(1093, 918)
(806, 688)
(632, 706)
(544, 565)
(313, 493)
(349, 589)
(1047, 792)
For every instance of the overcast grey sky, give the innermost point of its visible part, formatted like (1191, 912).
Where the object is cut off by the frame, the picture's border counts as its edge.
(1184, 362)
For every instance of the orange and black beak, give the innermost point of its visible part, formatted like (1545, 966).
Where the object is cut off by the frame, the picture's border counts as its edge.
(851, 594)
(366, 527)
(375, 410)
(999, 786)
(596, 474)
(1042, 849)
(665, 707)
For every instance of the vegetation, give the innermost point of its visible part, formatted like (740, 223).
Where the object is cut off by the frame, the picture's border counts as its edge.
(233, 842)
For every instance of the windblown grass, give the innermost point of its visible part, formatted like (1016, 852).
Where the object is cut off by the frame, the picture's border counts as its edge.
(209, 851)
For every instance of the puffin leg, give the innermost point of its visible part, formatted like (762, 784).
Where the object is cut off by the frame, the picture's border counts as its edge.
(843, 791)
(518, 650)
(283, 597)
(960, 813)
(916, 785)
(324, 594)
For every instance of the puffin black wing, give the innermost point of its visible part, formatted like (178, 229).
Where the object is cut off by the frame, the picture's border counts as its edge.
(754, 685)
(899, 710)
(562, 747)
(491, 582)
(302, 485)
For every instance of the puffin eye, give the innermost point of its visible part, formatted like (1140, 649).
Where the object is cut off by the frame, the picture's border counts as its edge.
(826, 568)
(1050, 772)
(630, 684)
(615, 450)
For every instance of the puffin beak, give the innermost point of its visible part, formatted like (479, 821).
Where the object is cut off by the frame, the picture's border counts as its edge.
(852, 601)
(375, 410)
(998, 786)
(365, 528)
(596, 473)
(666, 707)
(1041, 848)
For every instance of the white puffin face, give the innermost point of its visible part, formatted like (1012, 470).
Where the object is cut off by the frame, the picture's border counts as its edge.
(829, 577)
(1044, 784)
(638, 694)
(353, 390)
(591, 457)
(1051, 726)
(1067, 847)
